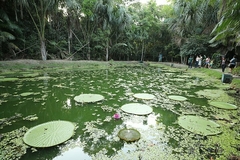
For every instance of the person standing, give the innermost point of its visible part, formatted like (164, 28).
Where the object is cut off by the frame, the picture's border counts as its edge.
(232, 63)
(200, 61)
(223, 64)
(196, 63)
(190, 61)
(160, 58)
(207, 62)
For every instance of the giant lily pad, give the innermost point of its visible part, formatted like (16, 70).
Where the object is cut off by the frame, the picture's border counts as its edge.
(26, 94)
(8, 79)
(129, 135)
(137, 108)
(211, 93)
(199, 125)
(177, 98)
(49, 134)
(88, 98)
(223, 105)
(145, 96)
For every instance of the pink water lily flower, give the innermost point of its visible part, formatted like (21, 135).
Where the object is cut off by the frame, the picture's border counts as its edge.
(117, 116)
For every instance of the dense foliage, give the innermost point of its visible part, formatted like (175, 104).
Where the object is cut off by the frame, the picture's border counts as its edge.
(118, 30)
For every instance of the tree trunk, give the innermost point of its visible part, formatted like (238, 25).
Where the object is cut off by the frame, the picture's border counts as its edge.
(69, 41)
(89, 51)
(43, 50)
(142, 51)
(107, 51)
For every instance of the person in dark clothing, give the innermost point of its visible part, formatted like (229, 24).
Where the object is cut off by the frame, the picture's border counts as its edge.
(190, 62)
(232, 63)
(223, 64)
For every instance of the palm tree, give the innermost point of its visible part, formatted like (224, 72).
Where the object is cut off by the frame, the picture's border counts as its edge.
(112, 17)
(8, 32)
(227, 29)
(39, 11)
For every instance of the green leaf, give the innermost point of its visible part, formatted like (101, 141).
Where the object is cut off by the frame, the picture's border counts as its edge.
(49, 134)
(223, 105)
(26, 94)
(88, 98)
(8, 79)
(137, 108)
(129, 135)
(177, 98)
(145, 96)
(199, 125)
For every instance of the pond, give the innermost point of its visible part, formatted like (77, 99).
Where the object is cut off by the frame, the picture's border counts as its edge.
(35, 98)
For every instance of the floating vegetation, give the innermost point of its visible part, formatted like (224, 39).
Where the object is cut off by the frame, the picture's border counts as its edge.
(30, 75)
(223, 105)
(8, 121)
(129, 135)
(161, 137)
(145, 96)
(49, 134)
(94, 134)
(12, 146)
(26, 94)
(177, 98)
(178, 79)
(137, 108)
(31, 117)
(88, 98)
(210, 93)
(8, 79)
(199, 125)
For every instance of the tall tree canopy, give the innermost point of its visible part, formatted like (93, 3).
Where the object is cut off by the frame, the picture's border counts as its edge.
(116, 29)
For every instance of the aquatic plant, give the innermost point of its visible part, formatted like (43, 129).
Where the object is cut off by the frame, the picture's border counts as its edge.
(199, 125)
(12, 146)
(137, 108)
(177, 98)
(129, 135)
(8, 79)
(88, 98)
(117, 116)
(49, 134)
(26, 94)
(145, 96)
(223, 105)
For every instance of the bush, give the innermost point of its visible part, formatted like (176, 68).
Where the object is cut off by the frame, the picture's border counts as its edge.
(236, 71)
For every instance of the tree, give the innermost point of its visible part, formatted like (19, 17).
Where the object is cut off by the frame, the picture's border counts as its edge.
(227, 29)
(113, 18)
(39, 11)
(193, 18)
(8, 33)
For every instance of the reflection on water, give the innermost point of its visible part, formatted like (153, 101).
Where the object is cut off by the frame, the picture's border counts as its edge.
(76, 153)
(142, 122)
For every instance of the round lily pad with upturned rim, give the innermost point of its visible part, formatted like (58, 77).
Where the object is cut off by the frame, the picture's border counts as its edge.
(129, 135)
(26, 94)
(177, 98)
(49, 134)
(8, 79)
(199, 125)
(88, 98)
(145, 96)
(223, 105)
(137, 108)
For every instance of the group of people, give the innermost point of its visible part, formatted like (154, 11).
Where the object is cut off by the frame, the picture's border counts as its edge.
(231, 64)
(198, 62)
(209, 63)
